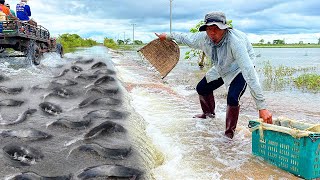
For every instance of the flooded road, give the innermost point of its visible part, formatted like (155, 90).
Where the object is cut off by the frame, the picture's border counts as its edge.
(166, 142)
(194, 148)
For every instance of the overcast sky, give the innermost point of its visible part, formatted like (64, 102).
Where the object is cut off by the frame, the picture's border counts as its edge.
(291, 20)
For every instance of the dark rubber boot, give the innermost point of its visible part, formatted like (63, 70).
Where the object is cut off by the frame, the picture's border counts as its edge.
(232, 115)
(207, 105)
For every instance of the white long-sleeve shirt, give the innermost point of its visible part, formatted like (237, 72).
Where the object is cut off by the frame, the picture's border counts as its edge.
(232, 55)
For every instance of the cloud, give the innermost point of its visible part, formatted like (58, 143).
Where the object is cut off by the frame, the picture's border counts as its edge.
(113, 18)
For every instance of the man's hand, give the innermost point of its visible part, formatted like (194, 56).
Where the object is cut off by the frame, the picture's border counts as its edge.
(265, 115)
(162, 36)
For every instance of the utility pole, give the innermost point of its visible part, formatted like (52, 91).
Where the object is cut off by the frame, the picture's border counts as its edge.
(133, 34)
(124, 36)
(170, 15)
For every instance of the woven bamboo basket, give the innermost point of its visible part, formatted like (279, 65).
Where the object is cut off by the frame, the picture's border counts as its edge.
(163, 55)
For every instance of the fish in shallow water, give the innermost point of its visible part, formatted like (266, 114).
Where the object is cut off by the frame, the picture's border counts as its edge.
(103, 90)
(22, 117)
(7, 90)
(98, 100)
(28, 134)
(21, 155)
(62, 73)
(3, 78)
(76, 69)
(98, 65)
(40, 87)
(60, 92)
(35, 176)
(104, 71)
(88, 61)
(105, 114)
(87, 76)
(63, 122)
(107, 127)
(109, 171)
(50, 108)
(11, 102)
(64, 82)
(104, 79)
(112, 153)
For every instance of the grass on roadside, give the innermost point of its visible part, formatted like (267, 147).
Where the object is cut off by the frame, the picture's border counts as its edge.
(308, 81)
(286, 45)
(281, 77)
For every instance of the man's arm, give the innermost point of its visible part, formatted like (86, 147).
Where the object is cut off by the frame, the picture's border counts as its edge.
(28, 10)
(241, 55)
(8, 12)
(195, 40)
(12, 16)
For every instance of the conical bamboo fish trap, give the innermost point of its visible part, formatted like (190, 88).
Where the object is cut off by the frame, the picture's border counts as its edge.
(163, 55)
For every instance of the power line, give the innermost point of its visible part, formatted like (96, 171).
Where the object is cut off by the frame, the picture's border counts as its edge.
(170, 15)
(133, 33)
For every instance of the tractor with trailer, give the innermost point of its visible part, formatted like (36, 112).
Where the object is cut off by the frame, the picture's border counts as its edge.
(30, 39)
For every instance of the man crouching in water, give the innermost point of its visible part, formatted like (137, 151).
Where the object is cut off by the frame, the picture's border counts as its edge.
(232, 57)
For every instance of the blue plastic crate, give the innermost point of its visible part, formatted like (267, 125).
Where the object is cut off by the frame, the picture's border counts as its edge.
(299, 156)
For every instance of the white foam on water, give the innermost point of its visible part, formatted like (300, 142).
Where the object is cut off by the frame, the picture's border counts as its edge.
(192, 148)
(116, 60)
(53, 60)
(10, 177)
(168, 121)
(130, 76)
(183, 90)
(49, 123)
(66, 144)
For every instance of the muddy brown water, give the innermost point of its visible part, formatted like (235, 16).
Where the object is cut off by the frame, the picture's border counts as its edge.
(197, 149)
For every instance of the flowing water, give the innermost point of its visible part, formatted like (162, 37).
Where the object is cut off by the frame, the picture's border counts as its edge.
(197, 149)
(167, 143)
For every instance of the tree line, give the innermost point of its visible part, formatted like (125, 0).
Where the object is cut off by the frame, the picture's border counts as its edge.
(111, 43)
(281, 42)
(70, 41)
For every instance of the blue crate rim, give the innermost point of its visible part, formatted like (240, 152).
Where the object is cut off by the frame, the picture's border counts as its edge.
(314, 136)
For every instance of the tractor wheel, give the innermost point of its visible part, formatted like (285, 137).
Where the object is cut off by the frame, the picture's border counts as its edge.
(33, 53)
(59, 49)
(2, 49)
(37, 55)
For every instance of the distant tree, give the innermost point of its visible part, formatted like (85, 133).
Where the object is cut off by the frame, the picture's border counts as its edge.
(126, 41)
(138, 42)
(300, 42)
(74, 40)
(319, 41)
(278, 41)
(120, 42)
(269, 42)
(194, 52)
(109, 43)
(261, 41)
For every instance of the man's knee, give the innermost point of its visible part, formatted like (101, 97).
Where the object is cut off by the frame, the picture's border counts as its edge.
(201, 90)
(232, 100)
